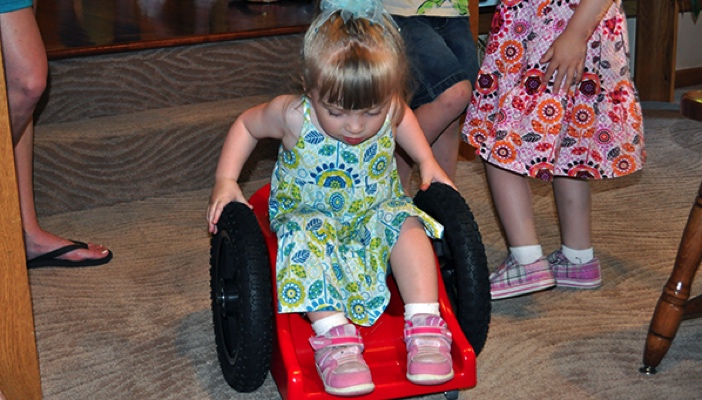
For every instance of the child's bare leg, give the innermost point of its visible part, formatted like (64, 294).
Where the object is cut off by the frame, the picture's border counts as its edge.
(511, 195)
(573, 204)
(575, 264)
(413, 264)
(525, 270)
(440, 122)
(427, 337)
(445, 148)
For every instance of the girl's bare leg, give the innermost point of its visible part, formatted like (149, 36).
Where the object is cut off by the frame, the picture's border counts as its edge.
(26, 71)
(511, 195)
(413, 264)
(573, 202)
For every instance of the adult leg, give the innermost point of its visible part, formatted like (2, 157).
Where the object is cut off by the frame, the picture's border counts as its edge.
(26, 72)
(573, 204)
(25, 67)
(511, 195)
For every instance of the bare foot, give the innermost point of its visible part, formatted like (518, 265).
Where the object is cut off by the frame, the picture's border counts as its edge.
(43, 242)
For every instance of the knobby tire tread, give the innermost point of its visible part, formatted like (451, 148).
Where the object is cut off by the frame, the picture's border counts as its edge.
(249, 259)
(469, 279)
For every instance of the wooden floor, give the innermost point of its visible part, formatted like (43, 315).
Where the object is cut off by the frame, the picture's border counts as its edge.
(73, 28)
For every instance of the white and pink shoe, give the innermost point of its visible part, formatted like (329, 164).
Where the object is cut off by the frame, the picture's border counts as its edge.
(340, 364)
(428, 343)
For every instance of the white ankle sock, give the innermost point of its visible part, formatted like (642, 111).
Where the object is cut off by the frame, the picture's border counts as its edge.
(578, 256)
(323, 325)
(527, 254)
(420, 308)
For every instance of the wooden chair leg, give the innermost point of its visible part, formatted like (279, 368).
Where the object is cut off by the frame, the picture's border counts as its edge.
(671, 307)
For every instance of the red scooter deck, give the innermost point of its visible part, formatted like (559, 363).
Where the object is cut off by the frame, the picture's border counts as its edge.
(292, 362)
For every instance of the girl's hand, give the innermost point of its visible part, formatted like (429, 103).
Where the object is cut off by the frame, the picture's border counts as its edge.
(566, 58)
(430, 171)
(225, 191)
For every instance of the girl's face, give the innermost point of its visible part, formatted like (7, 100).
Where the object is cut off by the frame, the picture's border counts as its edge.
(349, 126)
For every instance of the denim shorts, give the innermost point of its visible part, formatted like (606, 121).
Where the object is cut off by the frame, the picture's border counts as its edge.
(441, 52)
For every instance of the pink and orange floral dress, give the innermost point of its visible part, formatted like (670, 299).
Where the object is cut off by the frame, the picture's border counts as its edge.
(593, 131)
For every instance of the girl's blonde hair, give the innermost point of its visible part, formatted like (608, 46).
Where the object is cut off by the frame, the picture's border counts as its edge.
(355, 64)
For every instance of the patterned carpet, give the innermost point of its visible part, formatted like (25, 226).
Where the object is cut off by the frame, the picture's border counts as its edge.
(140, 327)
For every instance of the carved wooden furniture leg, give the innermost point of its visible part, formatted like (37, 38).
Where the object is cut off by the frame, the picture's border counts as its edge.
(673, 305)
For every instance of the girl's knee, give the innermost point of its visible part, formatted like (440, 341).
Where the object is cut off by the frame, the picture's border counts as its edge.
(411, 223)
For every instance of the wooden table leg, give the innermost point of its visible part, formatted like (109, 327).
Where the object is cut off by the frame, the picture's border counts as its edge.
(19, 365)
(672, 304)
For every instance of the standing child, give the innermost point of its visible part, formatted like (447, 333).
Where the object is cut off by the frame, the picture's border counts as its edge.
(444, 64)
(337, 204)
(554, 101)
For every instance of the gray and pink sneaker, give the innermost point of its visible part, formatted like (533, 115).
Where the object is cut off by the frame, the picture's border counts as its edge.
(340, 364)
(428, 343)
(513, 279)
(580, 276)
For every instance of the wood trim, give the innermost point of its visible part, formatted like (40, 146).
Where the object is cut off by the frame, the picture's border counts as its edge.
(485, 19)
(181, 41)
(19, 364)
(688, 77)
(474, 10)
(656, 42)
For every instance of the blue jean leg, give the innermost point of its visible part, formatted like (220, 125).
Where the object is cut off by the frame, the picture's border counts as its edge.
(441, 53)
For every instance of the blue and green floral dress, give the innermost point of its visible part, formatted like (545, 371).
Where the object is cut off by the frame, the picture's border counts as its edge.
(337, 210)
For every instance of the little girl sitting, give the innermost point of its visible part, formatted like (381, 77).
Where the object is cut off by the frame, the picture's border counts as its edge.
(337, 205)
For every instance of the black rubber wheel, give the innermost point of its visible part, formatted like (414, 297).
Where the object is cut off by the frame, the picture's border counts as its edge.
(451, 395)
(462, 258)
(242, 302)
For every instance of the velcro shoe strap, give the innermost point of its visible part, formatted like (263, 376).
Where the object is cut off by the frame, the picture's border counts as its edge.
(435, 331)
(319, 342)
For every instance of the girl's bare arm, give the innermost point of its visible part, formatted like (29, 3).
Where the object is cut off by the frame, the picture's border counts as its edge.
(566, 56)
(268, 120)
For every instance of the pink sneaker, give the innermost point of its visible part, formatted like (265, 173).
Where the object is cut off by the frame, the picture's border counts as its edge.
(513, 279)
(428, 343)
(581, 276)
(339, 362)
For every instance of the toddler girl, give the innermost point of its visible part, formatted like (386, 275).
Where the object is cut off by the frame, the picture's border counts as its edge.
(553, 101)
(337, 205)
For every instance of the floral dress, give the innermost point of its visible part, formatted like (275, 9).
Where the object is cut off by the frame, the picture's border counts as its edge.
(337, 210)
(515, 121)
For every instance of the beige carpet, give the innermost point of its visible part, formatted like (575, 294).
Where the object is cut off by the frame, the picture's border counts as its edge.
(140, 327)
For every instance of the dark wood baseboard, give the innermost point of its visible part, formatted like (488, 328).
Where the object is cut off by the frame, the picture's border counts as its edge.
(688, 77)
